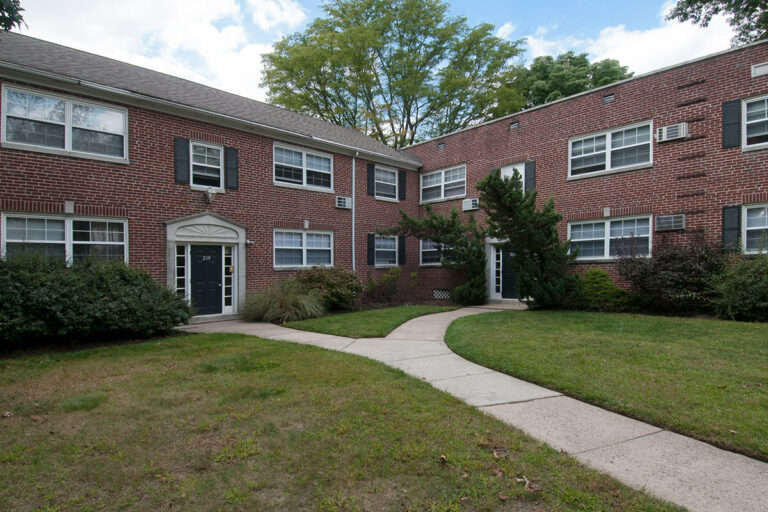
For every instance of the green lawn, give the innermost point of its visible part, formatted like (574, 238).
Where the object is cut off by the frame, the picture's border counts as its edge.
(700, 377)
(232, 422)
(373, 323)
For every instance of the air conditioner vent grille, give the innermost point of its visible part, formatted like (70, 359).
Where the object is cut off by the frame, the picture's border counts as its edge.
(672, 132)
(470, 204)
(344, 203)
(670, 222)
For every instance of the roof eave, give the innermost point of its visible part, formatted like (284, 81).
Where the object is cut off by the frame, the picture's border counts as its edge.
(74, 85)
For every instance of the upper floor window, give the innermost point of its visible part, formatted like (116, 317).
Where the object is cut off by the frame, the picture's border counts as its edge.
(47, 122)
(622, 149)
(508, 171)
(65, 239)
(304, 168)
(609, 239)
(385, 183)
(755, 234)
(756, 122)
(303, 248)
(444, 184)
(207, 166)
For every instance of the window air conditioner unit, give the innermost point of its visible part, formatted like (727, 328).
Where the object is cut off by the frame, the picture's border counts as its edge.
(470, 204)
(670, 222)
(344, 203)
(672, 132)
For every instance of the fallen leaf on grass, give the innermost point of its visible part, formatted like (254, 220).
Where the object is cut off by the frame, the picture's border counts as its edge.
(503, 497)
(38, 419)
(497, 471)
(7, 414)
(529, 486)
(734, 432)
(443, 459)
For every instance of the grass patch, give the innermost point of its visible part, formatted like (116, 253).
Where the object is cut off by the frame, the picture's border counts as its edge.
(237, 363)
(373, 323)
(320, 430)
(84, 402)
(700, 377)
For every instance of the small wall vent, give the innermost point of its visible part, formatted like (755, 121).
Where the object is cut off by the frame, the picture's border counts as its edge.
(470, 204)
(672, 132)
(345, 203)
(670, 222)
(759, 69)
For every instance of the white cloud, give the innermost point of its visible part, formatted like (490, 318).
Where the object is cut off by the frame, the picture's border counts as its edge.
(669, 43)
(268, 14)
(505, 30)
(201, 40)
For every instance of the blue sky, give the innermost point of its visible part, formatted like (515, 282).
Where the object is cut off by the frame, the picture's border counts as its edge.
(220, 42)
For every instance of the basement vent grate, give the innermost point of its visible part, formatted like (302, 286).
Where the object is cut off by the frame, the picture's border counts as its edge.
(441, 294)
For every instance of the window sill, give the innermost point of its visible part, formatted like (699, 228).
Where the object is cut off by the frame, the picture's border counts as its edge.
(303, 187)
(299, 267)
(63, 152)
(387, 199)
(433, 201)
(756, 147)
(386, 266)
(201, 188)
(612, 171)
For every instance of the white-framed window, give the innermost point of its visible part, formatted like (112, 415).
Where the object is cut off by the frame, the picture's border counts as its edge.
(42, 121)
(385, 251)
(625, 148)
(300, 167)
(206, 165)
(508, 171)
(755, 123)
(610, 239)
(64, 238)
(755, 229)
(294, 248)
(385, 183)
(447, 183)
(430, 253)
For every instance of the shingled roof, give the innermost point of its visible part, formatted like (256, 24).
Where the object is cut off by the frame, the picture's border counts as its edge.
(30, 52)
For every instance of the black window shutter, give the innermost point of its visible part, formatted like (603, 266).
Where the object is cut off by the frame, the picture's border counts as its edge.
(401, 180)
(231, 179)
(371, 249)
(181, 159)
(401, 250)
(731, 228)
(371, 177)
(530, 175)
(732, 124)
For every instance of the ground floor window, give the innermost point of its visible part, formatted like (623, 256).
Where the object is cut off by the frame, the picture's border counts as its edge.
(386, 251)
(66, 239)
(756, 229)
(430, 253)
(610, 239)
(302, 248)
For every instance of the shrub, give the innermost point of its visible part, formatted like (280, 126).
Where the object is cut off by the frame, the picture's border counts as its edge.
(595, 291)
(471, 293)
(742, 289)
(284, 301)
(47, 301)
(338, 288)
(383, 290)
(676, 279)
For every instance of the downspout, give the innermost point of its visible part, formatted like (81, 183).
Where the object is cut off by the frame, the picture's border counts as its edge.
(354, 162)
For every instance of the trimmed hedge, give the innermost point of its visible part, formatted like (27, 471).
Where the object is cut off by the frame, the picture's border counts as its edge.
(49, 302)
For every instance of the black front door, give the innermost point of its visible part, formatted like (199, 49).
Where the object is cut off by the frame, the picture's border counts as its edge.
(509, 286)
(206, 279)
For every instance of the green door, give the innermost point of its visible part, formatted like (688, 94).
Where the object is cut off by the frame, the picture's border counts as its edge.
(509, 285)
(206, 279)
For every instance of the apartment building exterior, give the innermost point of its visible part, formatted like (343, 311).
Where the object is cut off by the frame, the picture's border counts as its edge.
(217, 195)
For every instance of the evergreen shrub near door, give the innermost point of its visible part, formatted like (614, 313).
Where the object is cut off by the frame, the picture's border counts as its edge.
(48, 302)
(741, 291)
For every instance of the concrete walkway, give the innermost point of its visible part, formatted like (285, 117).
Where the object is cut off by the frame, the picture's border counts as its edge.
(670, 466)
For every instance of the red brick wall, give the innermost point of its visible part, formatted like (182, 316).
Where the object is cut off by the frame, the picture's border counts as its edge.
(695, 176)
(144, 192)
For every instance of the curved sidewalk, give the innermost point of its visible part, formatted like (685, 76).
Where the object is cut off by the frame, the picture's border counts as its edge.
(670, 466)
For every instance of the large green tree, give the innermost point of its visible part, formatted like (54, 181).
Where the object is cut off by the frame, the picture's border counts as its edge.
(749, 18)
(10, 14)
(397, 70)
(549, 79)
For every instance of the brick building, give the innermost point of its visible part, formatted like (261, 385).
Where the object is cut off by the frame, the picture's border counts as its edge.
(217, 195)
